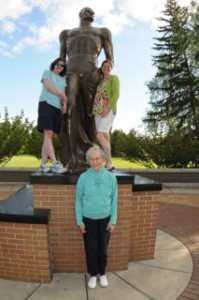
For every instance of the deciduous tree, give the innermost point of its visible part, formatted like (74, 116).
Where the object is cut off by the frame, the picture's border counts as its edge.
(13, 135)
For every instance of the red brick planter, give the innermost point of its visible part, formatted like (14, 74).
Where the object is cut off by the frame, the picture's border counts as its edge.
(134, 238)
(24, 252)
(34, 246)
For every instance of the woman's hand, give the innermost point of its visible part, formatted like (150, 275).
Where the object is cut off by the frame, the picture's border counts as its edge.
(82, 228)
(64, 108)
(105, 111)
(111, 227)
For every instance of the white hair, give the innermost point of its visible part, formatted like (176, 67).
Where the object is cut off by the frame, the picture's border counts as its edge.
(92, 149)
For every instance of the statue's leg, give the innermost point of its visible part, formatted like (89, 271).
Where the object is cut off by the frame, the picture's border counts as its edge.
(74, 137)
(64, 138)
(68, 135)
(89, 87)
(65, 152)
(78, 125)
(72, 118)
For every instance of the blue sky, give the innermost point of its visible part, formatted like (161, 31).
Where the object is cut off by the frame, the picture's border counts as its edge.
(29, 31)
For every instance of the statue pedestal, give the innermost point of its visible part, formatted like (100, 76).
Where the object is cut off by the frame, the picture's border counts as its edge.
(39, 236)
(135, 234)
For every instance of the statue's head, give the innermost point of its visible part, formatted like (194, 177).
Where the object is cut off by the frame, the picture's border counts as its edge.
(87, 13)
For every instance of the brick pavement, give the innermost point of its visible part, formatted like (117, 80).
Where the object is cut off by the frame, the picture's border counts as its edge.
(182, 222)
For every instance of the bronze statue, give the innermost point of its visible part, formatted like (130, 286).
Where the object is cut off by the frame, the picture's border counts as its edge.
(81, 48)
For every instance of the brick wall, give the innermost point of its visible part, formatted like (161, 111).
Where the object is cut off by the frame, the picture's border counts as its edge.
(145, 217)
(24, 252)
(67, 252)
(120, 240)
(133, 239)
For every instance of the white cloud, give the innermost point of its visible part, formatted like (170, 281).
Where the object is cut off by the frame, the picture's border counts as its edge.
(141, 10)
(18, 48)
(8, 27)
(14, 9)
(60, 14)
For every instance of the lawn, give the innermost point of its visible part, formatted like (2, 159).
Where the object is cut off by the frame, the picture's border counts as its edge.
(26, 161)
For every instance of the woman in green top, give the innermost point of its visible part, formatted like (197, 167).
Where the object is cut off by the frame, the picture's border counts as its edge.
(105, 107)
(96, 213)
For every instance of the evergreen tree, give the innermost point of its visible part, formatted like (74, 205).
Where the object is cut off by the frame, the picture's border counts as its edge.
(174, 93)
(194, 33)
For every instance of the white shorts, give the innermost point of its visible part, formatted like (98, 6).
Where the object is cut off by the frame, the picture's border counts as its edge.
(104, 124)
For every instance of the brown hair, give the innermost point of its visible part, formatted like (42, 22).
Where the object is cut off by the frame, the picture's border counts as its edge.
(110, 62)
(55, 62)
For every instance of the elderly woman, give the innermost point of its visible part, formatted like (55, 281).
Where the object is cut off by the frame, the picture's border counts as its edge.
(96, 213)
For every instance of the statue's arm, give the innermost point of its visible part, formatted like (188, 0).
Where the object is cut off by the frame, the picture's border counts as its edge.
(107, 43)
(62, 40)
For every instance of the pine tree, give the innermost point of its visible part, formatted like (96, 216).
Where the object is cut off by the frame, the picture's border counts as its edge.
(194, 33)
(174, 93)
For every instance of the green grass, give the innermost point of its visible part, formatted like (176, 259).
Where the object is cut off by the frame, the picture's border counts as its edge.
(122, 163)
(26, 161)
(23, 161)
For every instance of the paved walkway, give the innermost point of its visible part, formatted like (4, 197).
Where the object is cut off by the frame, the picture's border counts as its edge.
(179, 216)
(172, 275)
(163, 278)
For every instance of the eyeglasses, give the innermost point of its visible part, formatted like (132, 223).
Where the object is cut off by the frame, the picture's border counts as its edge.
(95, 159)
(60, 65)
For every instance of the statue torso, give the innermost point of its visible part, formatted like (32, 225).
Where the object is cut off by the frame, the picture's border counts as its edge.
(83, 46)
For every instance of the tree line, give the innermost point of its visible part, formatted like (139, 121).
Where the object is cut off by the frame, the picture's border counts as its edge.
(171, 137)
(172, 150)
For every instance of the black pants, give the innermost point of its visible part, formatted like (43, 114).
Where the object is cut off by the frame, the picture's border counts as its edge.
(96, 241)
